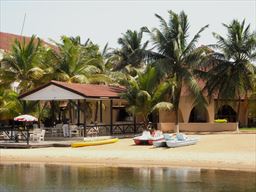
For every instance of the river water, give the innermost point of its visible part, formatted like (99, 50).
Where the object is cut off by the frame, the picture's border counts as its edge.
(50, 177)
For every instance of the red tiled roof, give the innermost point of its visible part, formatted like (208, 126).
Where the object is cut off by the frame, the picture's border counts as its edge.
(92, 90)
(85, 90)
(7, 40)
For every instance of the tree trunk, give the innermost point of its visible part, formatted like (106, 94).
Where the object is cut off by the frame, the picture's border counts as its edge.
(177, 120)
(177, 103)
(24, 104)
(238, 110)
(145, 122)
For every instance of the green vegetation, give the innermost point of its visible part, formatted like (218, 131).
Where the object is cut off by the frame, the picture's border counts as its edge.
(176, 58)
(155, 72)
(247, 129)
(146, 94)
(22, 65)
(132, 53)
(232, 71)
(10, 106)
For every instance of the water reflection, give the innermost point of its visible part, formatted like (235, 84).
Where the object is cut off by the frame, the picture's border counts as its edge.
(48, 177)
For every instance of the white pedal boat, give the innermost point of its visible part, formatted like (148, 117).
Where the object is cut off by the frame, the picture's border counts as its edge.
(161, 142)
(178, 143)
(181, 140)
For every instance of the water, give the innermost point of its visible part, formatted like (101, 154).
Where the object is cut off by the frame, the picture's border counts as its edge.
(49, 177)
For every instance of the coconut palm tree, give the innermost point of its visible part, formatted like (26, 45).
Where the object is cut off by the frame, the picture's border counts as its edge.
(231, 69)
(146, 94)
(176, 58)
(132, 53)
(10, 105)
(73, 62)
(21, 65)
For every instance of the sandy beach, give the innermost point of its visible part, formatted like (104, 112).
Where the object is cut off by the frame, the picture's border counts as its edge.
(215, 151)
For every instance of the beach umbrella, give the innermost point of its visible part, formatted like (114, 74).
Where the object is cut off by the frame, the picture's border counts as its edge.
(25, 118)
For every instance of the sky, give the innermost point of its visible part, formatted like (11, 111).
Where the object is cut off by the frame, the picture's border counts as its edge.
(105, 21)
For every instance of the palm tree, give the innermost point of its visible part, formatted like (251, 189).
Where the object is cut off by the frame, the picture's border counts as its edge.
(10, 105)
(231, 71)
(21, 65)
(176, 58)
(132, 52)
(73, 62)
(146, 94)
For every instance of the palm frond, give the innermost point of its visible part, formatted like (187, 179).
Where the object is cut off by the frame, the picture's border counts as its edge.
(167, 106)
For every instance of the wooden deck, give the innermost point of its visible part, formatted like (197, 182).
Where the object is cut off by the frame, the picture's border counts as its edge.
(57, 142)
(50, 142)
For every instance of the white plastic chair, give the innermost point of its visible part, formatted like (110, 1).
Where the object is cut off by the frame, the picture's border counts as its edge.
(56, 131)
(74, 131)
(38, 135)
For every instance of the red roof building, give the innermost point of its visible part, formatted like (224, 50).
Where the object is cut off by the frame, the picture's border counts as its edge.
(56, 90)
(7, 40)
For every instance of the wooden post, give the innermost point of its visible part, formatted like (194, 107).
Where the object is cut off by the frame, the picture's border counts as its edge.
(27, 129)
(96, 111)
(52, 112)
(85, 134)
(134, 124)
(70, 112)
(78, 112)
(111, 116)
(101, 111)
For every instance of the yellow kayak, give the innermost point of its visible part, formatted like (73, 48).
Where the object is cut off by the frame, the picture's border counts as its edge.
(220, 121)
(92, 143)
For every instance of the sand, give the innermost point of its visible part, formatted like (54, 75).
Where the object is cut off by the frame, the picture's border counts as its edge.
(215, 151)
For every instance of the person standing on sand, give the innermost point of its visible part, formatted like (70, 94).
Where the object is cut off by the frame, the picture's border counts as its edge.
(65, 129)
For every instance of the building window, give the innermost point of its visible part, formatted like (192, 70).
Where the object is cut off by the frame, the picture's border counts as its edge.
(122, 115)
(227, 112)
(199, 115)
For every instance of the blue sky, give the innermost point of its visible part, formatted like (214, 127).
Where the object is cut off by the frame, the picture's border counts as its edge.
(104, 21)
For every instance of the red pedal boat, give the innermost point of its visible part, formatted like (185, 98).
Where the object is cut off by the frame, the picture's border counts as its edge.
(147, 139)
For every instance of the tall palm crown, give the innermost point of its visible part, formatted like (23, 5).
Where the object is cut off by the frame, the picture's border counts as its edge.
(21, 64)
(232, 71)
(73, 62)
(175, 57)
(145, 94)
(132, 52)
(10, 105)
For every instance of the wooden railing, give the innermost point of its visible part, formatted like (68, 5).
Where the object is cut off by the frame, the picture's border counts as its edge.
(117, 128)
(15, 133)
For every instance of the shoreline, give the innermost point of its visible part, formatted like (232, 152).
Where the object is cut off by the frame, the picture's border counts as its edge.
(219, 152)
(120, 164)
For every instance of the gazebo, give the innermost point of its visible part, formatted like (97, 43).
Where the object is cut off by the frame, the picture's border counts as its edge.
(82, 93)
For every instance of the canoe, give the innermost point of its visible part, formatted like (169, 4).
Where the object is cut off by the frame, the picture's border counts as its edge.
(92, 143)
(178, 143)
(99, 138)
(220, 121)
